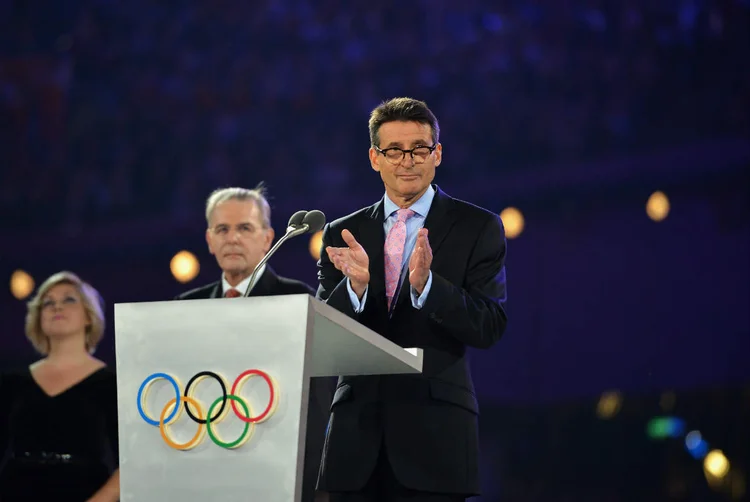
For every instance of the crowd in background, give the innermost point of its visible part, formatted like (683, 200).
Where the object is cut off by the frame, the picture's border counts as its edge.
(130, 109)
(114, 110)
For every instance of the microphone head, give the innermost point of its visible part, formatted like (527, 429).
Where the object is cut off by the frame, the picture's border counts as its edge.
(296, 219)
(315, 220)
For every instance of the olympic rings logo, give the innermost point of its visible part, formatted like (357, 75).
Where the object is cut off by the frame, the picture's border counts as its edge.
(172, 410)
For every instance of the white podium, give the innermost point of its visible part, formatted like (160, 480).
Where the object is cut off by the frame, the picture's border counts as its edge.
(181, 439)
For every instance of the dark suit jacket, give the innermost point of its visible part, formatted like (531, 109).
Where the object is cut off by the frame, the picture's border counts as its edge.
(428, 421)
(269, 284)
(321, 389)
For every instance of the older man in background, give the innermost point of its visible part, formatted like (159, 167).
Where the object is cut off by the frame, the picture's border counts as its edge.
(239, 235)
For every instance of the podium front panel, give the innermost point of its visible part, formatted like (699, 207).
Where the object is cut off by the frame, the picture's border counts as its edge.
(252, 446)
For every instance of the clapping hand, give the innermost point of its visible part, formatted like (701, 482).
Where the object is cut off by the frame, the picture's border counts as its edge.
(352, 261)
(420, 262)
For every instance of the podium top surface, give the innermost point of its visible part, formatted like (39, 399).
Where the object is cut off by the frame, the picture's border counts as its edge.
(336, 344)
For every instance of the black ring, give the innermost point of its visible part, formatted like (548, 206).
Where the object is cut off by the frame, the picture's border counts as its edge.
(223, 391)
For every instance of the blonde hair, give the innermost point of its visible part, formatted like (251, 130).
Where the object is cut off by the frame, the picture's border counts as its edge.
(92, 302)
(256, 195)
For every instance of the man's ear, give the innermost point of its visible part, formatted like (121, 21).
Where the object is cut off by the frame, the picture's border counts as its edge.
(374, 159)
(269, 239)
(208, 241)
(438, 154)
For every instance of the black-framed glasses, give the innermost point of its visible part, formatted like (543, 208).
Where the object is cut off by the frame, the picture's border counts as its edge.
(395, 155)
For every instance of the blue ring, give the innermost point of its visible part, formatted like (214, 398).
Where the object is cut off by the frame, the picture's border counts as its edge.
(171, 380)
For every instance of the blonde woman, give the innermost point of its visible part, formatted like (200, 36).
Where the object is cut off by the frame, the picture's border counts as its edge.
(58, 417)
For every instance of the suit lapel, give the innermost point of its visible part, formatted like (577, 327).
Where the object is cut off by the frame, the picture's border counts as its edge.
(265, 284)
(216, 291)
(440, 219)
(372, 238)
(439, 222)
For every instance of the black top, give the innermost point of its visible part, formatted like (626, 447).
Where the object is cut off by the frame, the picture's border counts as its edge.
(61, 447)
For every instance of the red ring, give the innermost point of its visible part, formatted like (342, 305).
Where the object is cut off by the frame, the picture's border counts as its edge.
(270, 400)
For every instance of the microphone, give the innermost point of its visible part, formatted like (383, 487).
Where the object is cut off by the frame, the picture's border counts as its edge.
(315, 220)
(296, 220)
(299, 223)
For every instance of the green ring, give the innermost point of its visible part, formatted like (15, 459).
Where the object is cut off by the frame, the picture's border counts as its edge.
(208, 422)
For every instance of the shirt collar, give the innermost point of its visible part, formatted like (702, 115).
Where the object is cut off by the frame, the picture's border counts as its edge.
(421, 206)
(242, 286)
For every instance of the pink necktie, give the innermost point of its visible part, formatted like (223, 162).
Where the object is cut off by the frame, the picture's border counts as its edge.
(394, 253)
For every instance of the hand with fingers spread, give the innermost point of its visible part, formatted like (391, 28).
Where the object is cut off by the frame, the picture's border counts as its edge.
(352, 261)
(420, 262)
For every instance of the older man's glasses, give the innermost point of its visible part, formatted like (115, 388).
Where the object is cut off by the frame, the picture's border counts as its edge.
(395, 155)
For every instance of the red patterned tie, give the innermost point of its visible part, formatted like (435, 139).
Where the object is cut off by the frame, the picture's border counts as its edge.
(232, 293)
(394, 253)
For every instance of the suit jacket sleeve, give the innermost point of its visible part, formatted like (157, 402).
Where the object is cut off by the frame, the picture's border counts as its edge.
(332, 282)
(474, 313)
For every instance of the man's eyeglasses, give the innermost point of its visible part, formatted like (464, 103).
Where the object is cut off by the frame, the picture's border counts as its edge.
(395, 155)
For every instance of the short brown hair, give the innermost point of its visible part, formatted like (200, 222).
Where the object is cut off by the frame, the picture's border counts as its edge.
(92, 302)
(404, 110)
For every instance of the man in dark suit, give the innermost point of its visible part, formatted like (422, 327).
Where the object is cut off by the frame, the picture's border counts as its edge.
(239, 234)
(269, 284)
(424, 270)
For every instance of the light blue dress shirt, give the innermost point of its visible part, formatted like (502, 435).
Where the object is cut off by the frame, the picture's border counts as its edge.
(421, 208)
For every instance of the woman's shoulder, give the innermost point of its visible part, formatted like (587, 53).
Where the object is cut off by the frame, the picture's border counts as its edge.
(15, 374)
(104, 375)
(102, 388)
(11, 379)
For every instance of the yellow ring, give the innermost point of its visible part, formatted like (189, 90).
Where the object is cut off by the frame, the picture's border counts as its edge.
(164, 428)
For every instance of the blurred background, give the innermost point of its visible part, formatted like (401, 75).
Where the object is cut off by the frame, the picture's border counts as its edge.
(613, 137)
